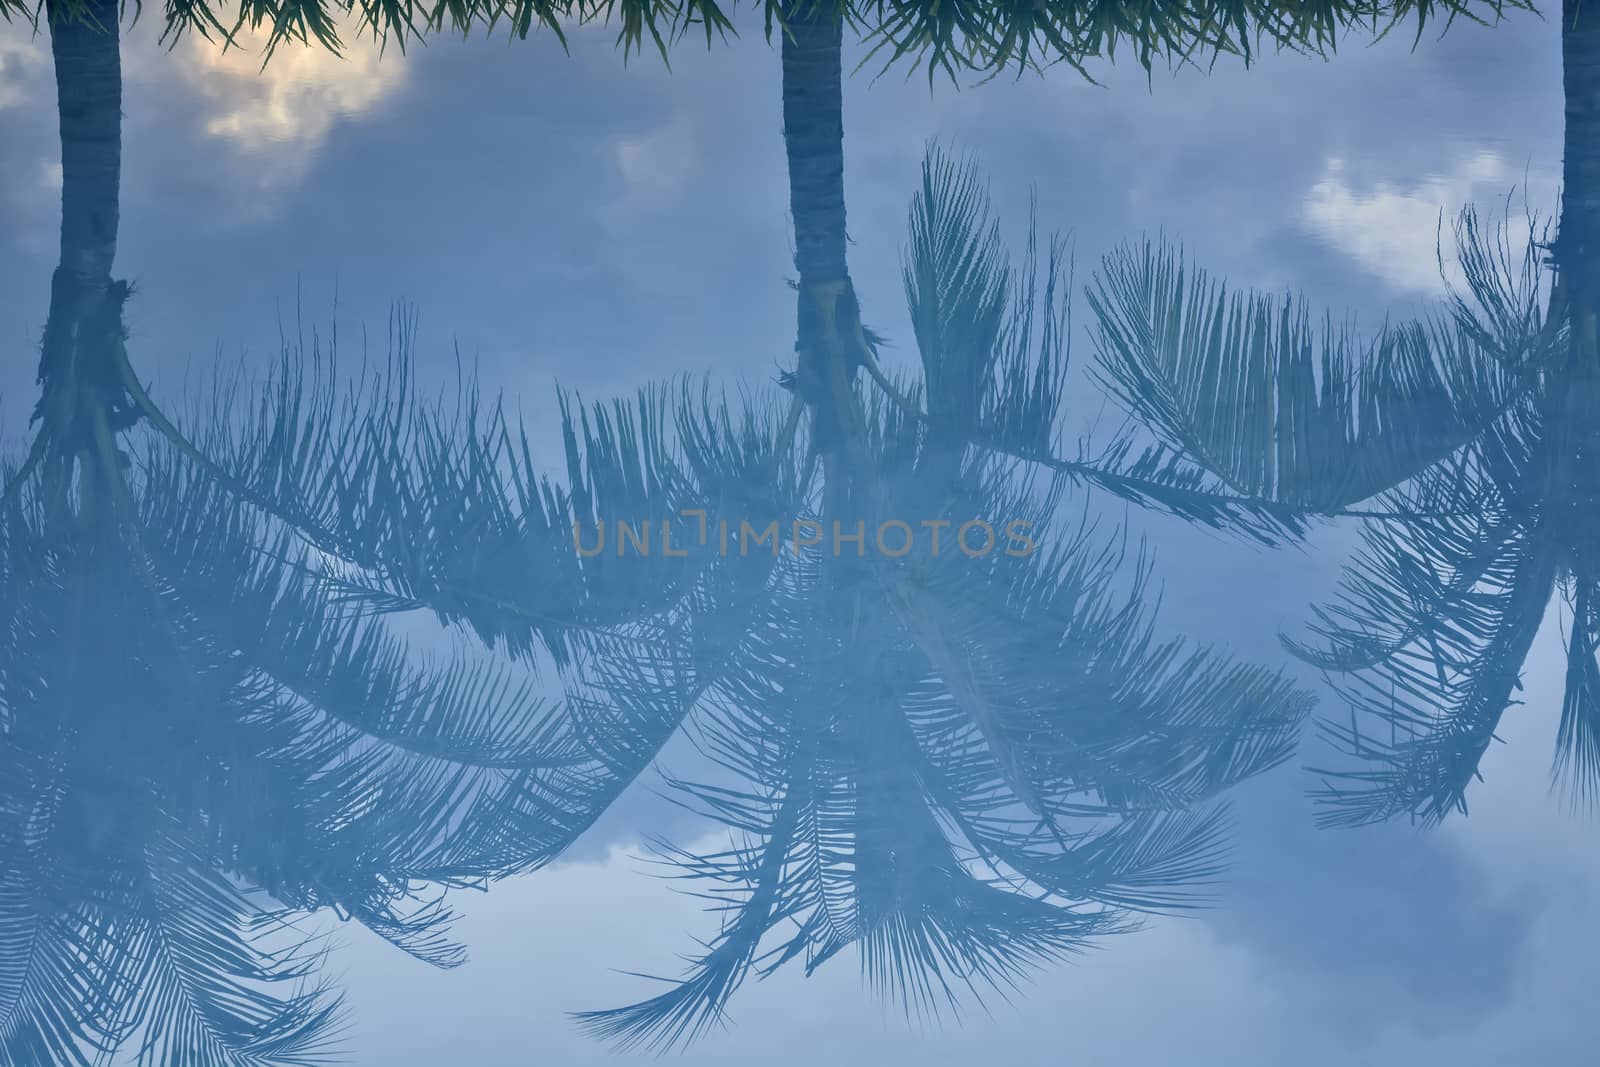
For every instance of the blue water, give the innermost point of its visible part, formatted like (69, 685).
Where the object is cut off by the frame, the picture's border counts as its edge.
(572, 220)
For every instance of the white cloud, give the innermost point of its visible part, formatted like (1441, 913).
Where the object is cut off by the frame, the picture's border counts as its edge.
(276, 118)
(1394, 230)
(280, 116)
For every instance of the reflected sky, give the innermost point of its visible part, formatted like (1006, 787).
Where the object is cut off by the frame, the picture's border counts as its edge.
(567, 218)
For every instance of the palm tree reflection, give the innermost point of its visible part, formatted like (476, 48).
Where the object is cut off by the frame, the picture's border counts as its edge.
(202, 743)
(963, 764)
(1475, 431)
